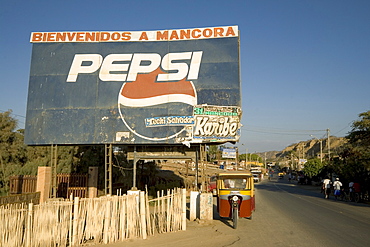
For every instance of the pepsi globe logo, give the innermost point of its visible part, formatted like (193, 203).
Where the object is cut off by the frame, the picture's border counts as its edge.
(147, 98)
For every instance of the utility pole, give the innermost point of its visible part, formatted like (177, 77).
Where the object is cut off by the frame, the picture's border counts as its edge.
(246, 158)
(328, 134)
(291, 156)
(320, 146)
(237, 158)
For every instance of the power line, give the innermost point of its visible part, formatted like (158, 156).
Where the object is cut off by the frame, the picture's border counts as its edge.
(285, 130)
(277, 131)
(349, 124)
(14, 114)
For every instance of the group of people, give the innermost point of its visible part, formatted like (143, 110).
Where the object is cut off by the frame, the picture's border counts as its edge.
(327, 184)
(337, 185)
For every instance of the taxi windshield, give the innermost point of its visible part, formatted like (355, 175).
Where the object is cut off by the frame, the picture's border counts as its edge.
(235, 183)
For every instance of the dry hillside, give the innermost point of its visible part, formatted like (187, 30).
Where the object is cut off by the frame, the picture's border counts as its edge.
(307, 149)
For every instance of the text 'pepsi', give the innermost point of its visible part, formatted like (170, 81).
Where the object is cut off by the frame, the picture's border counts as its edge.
(137, 63)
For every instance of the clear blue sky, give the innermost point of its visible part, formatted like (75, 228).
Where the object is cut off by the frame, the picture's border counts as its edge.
(305, 65)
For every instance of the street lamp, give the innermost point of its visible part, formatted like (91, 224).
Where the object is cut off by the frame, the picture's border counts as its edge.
(320, 146)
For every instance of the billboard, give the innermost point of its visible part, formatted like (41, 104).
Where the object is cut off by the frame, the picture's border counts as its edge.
(141, 87)
(229, 153)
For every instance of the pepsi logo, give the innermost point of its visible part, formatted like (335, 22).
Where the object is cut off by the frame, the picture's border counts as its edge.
(147, 98)
(154, 88)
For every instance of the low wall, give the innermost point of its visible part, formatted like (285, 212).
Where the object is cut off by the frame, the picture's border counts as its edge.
(21, 198)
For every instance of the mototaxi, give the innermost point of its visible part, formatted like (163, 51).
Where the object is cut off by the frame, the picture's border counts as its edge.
(235, 195)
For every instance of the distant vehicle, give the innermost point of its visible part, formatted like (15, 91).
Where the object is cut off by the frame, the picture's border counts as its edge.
(256, 178)
(281, 175)
(212, 184)
(256, 170)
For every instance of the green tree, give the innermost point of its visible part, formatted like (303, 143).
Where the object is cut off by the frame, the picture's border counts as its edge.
(313, 167)
(354, 160)
(242, 157)
(12, 149)
(255, 157)
(213, 152)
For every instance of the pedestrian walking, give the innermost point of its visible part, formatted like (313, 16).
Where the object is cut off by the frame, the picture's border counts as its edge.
(327, 187)
(336, 185)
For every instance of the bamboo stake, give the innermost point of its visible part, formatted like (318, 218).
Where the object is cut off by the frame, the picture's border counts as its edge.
(159, 213)
(142, 214)
(123, 217)
(114, 218)
(75, 223)
(183, 207)
(71, 225)
(168, 218)
(148, 216)
(62, 223)
(106, 222)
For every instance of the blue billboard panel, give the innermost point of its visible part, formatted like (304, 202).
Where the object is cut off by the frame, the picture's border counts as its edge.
(229, 153)
(165, 87)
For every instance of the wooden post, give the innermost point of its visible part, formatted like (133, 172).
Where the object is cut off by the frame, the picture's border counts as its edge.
(147, 214)
(107, 220)
(183, 223)
(70, 226)
(29, 225)
(75, 222)
(168, 210)
(142, 214)
(123, 217)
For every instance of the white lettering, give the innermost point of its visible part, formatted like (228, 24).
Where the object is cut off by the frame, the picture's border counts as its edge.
(215, 126)
(77, 66)
(136, 67)
(195, 65)
(181, 68)
(155, 121)
(126, 67)
(109, 66)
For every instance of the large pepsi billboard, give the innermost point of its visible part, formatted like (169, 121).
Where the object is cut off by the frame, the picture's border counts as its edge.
(142, 87)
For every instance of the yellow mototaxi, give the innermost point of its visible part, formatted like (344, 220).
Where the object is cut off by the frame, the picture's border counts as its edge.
(235, 195)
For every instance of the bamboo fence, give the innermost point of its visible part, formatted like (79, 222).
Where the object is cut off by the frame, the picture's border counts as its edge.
(108, 219)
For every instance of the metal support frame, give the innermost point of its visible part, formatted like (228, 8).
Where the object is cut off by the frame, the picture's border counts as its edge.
(203, 160)
(108, 168)
(196, 169)
(53, 165)
(134, 170)
(152, 152)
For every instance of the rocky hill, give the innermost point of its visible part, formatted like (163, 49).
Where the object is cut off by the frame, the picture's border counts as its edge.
(307, 149)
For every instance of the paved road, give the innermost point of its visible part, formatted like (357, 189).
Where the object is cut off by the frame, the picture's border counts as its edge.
(286, 215)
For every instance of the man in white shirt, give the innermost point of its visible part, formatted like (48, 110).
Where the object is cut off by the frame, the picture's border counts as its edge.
(337, 184)
(327, 187)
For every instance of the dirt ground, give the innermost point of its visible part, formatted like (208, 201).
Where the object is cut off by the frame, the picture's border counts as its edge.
(198, 233)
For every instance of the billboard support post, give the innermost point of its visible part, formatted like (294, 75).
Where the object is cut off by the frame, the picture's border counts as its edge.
(203, 158)
(53, 164)
(134, 170)
(196, 169)
(108, 169)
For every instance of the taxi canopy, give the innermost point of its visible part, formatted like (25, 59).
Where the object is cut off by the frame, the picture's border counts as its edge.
(235, 180)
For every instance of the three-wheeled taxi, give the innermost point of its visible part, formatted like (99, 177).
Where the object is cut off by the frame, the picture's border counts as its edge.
(235, 195)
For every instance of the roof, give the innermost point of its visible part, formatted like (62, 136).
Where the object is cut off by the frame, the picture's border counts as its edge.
(234, 173)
